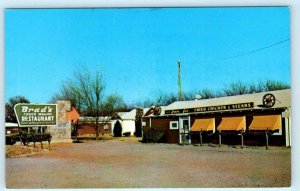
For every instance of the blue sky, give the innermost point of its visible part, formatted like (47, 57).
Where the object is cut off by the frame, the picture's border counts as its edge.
(136, 50)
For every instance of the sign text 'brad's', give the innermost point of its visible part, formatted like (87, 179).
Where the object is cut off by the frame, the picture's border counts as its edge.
(36, 114)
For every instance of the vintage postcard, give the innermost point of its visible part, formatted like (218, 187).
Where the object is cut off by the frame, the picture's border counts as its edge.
(186, 97)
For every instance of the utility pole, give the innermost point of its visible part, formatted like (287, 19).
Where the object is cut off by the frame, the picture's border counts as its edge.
(179, 83)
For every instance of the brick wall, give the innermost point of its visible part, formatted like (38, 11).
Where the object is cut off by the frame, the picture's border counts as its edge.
(88, 128)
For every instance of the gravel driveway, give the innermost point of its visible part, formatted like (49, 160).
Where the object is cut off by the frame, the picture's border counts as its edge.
(129, 164)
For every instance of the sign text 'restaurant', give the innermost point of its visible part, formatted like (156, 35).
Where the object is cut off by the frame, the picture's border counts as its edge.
(36, 114)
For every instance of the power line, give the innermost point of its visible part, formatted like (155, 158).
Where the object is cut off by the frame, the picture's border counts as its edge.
(246, 53)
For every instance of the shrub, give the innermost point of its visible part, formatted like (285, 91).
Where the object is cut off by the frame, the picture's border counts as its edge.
(152, 135)
(11, 139)
(126, 134)
(118, 129)
(138, 127)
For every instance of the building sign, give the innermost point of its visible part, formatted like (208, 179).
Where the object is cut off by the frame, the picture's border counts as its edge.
(36, 114)
(212, 108)
(157, 110)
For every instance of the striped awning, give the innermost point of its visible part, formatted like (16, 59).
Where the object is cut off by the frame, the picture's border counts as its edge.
(266, 122)
(203, 125)
(232, 124)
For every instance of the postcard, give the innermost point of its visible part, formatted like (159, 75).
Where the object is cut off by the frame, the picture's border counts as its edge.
(185, 97)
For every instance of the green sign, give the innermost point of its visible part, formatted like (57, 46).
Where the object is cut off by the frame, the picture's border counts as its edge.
(36, 114)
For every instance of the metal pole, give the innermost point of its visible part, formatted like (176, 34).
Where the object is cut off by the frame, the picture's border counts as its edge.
(183, 133)
(242, 140)
(179, 83)
(267, 139)
(200, 137)
(220, 141)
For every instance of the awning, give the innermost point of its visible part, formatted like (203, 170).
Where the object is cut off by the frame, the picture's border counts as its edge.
(232, 124)
(204, 125)
(266, 122)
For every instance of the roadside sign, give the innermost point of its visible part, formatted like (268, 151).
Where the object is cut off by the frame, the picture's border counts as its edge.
(29, 115)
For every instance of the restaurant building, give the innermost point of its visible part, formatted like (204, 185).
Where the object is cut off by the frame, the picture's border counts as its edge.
(248, 119)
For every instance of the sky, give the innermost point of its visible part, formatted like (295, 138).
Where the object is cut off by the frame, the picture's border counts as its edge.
(136, 49)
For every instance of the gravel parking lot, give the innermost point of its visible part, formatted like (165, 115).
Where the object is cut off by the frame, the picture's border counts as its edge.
(130, 164)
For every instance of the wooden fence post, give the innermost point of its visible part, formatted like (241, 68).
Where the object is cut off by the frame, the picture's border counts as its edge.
(41, 141)
(267, 139)
(220, 141)
(242, 139)
(200, 133)
(49, 144)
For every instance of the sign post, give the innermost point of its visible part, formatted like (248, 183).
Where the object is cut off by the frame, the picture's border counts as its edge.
(36, 115)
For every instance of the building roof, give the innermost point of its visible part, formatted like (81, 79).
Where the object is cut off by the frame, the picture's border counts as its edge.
(131, 114)
(8, 124)
(282, 100)
(127, 115)
(90, 119)
(150, 110)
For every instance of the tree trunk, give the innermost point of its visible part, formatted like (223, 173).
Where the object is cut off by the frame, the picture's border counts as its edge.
(97, 128)
(76, 130)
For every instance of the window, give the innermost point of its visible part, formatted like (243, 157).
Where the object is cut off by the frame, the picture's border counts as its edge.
(106, 127)
(173, 124)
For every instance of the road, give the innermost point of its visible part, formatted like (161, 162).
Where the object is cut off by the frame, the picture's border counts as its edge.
(129, 164)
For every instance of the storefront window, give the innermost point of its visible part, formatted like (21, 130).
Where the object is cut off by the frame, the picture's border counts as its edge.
(173, 124)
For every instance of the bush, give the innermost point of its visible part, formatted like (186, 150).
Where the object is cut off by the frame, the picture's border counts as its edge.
(118, 129)
(126, 134)
(11, 139)
(138, 127)
(152, 135)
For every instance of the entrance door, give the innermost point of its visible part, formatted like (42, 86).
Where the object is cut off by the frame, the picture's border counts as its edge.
(184, 130)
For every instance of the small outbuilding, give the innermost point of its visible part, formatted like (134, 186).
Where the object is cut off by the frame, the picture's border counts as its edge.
(11, 128)
(127, 120)
(86, 126)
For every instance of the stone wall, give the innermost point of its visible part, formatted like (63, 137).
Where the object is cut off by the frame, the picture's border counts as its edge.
(62, 132)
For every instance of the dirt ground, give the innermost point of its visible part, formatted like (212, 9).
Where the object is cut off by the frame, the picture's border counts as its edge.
(127, 163)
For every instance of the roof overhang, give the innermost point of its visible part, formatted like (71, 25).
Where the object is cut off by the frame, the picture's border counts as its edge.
(279, 109)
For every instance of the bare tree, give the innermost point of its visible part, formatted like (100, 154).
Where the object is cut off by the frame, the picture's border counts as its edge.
(235, 88)
(10, 115)
(159, 98)
(272, 85)
(86, 93)
(112, 104)
(69, 91)
(255, 88)
(207, 94)
(88, 88)
(190, 95)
